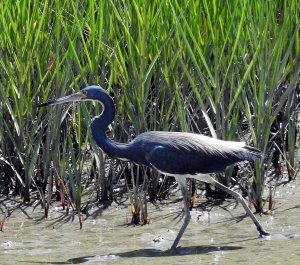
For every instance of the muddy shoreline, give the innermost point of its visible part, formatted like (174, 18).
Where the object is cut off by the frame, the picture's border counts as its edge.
(219, 235)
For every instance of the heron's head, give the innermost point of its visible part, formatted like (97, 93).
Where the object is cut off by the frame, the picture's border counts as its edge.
(88, 93)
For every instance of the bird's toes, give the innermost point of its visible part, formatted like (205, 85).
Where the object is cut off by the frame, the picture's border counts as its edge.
(263, 233)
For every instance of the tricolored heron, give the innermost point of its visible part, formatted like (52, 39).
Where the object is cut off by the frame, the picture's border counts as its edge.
(179, 154)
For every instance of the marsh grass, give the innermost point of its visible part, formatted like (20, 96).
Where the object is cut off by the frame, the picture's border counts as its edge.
(226, 69)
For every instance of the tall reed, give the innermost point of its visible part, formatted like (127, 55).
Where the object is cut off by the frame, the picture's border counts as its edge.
(201, 66)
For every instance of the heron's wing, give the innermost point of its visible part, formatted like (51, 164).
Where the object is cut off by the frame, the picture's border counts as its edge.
(188, 153)
(168, 159)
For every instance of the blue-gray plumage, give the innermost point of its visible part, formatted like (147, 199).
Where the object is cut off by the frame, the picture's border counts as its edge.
(176, 154)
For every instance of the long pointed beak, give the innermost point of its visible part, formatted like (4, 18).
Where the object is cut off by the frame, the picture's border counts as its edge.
(72, 98)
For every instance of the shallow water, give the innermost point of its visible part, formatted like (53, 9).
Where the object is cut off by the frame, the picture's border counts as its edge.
(221, 236)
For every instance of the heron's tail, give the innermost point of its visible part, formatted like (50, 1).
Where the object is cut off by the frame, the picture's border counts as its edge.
(252, 153)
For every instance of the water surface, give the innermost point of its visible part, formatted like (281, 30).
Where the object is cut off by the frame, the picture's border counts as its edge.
(224, 235)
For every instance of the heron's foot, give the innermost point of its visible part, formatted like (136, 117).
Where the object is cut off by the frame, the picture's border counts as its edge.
(174, 249)
(174, 246)
(263, 233)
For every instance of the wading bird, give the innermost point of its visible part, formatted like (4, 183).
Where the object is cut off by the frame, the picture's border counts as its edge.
(179, 154)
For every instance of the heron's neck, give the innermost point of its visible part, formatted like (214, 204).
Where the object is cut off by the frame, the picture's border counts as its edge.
(99, 126)
(100, 123)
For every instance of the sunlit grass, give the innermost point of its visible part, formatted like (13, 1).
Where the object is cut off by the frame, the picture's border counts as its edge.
(170, 65)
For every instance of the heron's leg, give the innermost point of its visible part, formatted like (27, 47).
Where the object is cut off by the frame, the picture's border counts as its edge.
(187, 215)
(239, 198)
